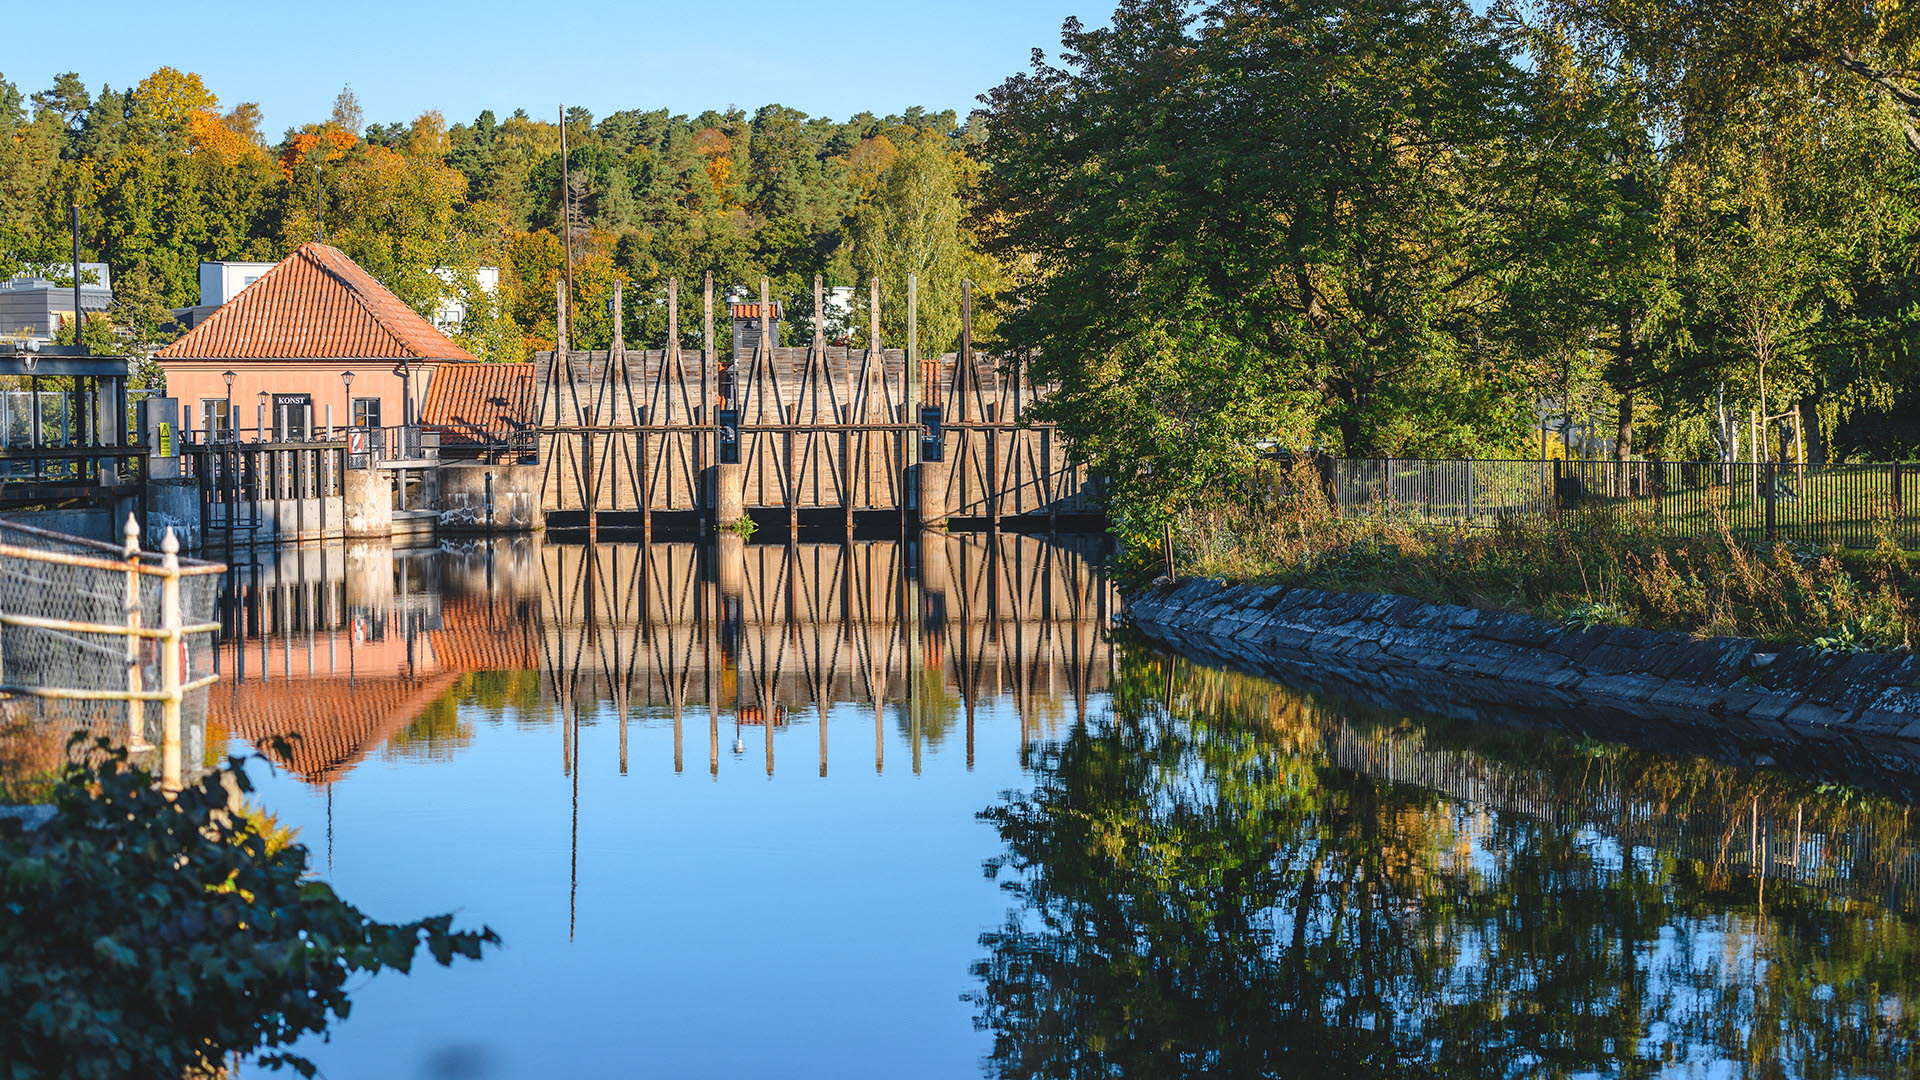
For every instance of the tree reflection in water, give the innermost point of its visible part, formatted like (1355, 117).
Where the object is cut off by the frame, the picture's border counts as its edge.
(1202, 893)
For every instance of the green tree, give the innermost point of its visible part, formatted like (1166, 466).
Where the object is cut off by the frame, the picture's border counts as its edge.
(910, 223)
(1313, 205)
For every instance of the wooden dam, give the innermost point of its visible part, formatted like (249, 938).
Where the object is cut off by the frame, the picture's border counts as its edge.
(815, 435)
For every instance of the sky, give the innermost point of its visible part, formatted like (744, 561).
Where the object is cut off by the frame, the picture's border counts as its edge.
(826, 58)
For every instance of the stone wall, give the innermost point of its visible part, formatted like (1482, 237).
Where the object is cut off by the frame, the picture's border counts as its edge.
(1799, 690)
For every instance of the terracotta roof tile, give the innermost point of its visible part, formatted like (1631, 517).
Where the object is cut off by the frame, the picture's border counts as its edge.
(331, 724)
(752, 310)
(315, 304)
(475, 403)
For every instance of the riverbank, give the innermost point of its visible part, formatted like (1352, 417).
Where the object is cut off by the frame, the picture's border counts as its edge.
(1792, 691)
(1599, 565)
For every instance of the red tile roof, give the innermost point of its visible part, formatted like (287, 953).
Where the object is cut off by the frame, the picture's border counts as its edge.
(752, 311)
(316, 304)
(477, 403)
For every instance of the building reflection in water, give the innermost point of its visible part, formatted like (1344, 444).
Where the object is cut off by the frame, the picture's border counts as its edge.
(343, 651)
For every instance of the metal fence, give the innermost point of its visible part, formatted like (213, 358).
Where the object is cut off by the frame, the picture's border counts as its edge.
(113, 640)
(1846, 505)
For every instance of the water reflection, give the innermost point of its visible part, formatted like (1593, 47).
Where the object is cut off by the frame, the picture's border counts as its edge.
(362, 650)
(1224, 877)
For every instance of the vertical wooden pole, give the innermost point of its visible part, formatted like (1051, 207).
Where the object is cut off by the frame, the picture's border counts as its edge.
(789, 482)
(704, 415)
(913, 347)
(671, 356)
(910, 374)
(876, 374)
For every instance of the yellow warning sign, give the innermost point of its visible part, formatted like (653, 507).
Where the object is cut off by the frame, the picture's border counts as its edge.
(166, 440)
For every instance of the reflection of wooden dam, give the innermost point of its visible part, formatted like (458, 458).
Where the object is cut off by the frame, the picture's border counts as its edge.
(817, 434)
(755, 631)
(345, 648)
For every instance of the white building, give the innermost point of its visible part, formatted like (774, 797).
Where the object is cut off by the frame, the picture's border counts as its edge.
(33, 308)
(222, 281)
(453, 310)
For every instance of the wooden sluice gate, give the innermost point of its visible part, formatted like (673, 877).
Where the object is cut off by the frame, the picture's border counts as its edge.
(812, 435)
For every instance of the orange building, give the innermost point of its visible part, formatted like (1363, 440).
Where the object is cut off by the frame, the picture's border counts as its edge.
(314, 338)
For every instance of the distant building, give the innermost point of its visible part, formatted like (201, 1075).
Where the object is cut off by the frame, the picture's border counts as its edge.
(290, 337)
(32, 309)
(746, 327)
(452, 312)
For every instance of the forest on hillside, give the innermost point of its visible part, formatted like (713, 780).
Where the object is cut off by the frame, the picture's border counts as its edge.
(1682, 229)
(166, 175)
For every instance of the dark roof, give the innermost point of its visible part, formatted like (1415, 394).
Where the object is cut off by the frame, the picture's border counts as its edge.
(478, 403)
(315, 304)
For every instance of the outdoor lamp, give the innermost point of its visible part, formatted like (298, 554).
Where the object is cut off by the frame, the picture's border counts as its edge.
(229, 376)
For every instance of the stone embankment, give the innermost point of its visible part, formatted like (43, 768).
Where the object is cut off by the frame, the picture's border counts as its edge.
(1782, 691)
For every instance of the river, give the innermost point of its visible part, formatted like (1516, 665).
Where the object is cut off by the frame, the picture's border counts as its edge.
(889, 809)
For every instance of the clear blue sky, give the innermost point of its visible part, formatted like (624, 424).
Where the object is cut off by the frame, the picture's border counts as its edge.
(829, 57)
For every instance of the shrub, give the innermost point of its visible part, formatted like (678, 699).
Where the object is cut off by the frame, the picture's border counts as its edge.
(148, 935)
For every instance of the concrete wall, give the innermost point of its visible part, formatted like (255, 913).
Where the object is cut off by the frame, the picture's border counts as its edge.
(173, 504)
(92, 524)
(369, 503)
(489, 498)
(1798, 691)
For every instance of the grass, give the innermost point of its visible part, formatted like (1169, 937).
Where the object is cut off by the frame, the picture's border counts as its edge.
(1606, 563)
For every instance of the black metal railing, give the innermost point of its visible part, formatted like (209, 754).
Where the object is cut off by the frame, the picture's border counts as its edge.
(1852, 505)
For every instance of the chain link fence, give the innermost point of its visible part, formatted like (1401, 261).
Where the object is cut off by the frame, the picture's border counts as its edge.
(111, 640)
(1854, 506)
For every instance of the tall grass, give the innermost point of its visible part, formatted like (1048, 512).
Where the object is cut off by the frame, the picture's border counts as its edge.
(1596, 565)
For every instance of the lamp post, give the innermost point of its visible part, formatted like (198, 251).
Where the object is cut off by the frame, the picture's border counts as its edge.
(346, 382)
(228, 375)
(261, 419)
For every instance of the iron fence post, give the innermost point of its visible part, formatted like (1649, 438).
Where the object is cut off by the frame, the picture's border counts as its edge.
(1770, 476)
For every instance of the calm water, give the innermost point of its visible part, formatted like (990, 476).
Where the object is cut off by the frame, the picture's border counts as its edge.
(888, 810)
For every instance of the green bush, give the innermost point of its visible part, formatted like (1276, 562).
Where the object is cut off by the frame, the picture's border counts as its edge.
(145, 935)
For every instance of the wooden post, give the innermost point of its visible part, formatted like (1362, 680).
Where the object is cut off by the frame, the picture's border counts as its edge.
(846, 409)
(704, 415)
(913, 348)
(909, 400)
(172, 647)
(789, 486)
